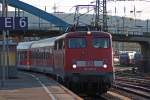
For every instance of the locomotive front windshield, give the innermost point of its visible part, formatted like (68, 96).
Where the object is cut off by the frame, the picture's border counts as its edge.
(101, 43)
(77, 43)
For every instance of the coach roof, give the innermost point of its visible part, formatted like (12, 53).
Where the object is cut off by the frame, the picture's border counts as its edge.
(44, 43)
(25, 45)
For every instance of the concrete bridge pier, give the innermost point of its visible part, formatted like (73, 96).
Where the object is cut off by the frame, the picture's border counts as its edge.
(145, 47)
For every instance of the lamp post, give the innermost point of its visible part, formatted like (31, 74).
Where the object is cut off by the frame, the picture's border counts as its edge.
(147, 26)
(134, 11)
(4, 14)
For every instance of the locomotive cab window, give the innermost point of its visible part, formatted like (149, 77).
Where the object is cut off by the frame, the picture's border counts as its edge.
(101, 43)
(77, 43)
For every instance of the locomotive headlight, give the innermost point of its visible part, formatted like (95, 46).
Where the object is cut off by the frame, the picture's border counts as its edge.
(105, 66)
(74, 66)
(89, 33)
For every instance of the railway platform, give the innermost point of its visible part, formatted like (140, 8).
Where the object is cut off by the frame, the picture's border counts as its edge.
(29, 86)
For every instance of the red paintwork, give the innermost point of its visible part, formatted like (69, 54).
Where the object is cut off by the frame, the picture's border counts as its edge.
(24, 62)
(89, 54)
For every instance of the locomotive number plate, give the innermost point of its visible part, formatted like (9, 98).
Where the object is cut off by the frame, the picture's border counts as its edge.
(89, 63)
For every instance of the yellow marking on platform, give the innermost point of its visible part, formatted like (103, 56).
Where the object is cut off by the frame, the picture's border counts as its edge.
(119, 96)
(2, 98)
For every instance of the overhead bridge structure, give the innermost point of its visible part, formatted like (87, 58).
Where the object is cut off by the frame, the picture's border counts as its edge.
(144, 41)
(38, 12)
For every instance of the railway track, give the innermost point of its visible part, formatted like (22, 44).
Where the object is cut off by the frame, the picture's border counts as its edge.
(135, 78)
(110, 95)
(133, 85)
(130, 85)
(135, 81)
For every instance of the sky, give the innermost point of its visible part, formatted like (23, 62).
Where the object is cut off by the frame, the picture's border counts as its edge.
(142, 8)
(61, 5)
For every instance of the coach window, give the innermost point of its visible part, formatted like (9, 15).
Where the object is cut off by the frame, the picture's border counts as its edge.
(77, 43)
(37, 54)
(56, 45)
(63, 44)
(60, 44)
(100, 43)
(41, 55)
(21, 56)
(45, 54)
(50, 51)
(33, 54)
(26, 55)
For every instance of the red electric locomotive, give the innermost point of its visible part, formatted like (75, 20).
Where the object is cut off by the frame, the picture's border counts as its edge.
(79, 58)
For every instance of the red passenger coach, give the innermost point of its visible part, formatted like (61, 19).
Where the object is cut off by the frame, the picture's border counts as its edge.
(24, 55)
(42, 55)
(79, 58)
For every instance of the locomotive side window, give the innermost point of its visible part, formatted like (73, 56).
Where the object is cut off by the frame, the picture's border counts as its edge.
(77, 43)
(101, 43)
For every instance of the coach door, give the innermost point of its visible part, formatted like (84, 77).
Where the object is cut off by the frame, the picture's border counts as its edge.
(59, 55)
